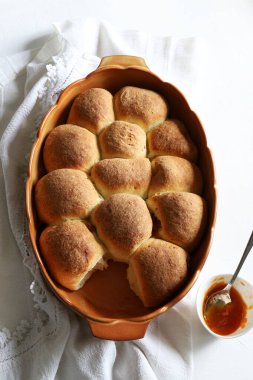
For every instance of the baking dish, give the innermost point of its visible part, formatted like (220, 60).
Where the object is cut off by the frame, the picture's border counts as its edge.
(111, 309)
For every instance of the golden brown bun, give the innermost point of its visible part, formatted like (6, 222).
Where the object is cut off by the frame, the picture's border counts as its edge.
(122, 148)
(140, 106)
(171, 138)
(65, 193)
(174, 173)
(182, 217)
(123, 140)
(119, 175)
(123, 222)
(156, 270)
(70, 252)
(70, 146)
(92, 109)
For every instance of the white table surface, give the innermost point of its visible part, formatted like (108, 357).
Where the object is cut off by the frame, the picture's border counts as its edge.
(225, 106)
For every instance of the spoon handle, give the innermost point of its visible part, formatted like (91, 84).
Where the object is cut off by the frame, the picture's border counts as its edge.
(245, 254)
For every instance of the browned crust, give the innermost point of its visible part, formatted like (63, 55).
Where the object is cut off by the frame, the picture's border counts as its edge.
(70, 146)
(92, 109)
(123, 140)
(171, 138)
(159, 268)
(123, 222)
(119, 175)
(171, 173)
(70, 251)
(182, 216)
(65, 193)
(140, 106)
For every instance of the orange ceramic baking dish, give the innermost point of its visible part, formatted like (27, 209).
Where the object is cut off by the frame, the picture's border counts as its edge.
(111, 309)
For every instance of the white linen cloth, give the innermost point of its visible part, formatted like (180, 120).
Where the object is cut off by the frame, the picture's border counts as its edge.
(39, 337)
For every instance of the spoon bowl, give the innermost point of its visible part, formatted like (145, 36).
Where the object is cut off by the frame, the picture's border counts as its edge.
(218, 299)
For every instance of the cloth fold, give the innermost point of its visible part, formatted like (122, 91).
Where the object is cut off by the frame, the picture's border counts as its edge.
(39, 337)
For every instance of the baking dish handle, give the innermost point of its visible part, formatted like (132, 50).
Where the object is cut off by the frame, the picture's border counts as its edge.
(123, 61)
(118, 330)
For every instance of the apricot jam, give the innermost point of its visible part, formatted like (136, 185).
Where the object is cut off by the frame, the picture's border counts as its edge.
(227, 319)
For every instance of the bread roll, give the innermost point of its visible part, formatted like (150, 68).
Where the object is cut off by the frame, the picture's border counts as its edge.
(140, 106)
(156, 270)
(65, 193)
(119, 175)
(182, 217)
(171, 138)
(123, 140)
(123, 222)
(71, 253)
(174, 173)
(102, 152)
(70, 146)
(92, 109)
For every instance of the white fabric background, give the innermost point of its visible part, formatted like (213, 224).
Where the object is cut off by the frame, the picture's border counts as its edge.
(40, 338)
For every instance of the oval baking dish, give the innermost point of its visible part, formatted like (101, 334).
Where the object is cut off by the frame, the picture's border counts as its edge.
(112, 310)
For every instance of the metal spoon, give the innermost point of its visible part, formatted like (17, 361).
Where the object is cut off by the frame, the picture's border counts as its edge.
(222, 297)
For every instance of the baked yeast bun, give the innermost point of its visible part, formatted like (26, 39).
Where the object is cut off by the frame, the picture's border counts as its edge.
(92, 109)
(70, 146)
(171, 138)
(65, 193)
(175, 173)
(122, 148)
(156, 270)
(71, 252)
(119, 175)
(123, 140)
(123, 222)
(182, 217)
(140, 106)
